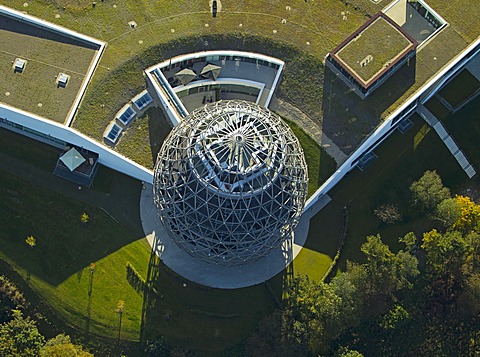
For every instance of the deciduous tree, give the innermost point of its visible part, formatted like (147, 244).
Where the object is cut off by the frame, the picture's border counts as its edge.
(62, 346)
(429, 191)
(20, 337)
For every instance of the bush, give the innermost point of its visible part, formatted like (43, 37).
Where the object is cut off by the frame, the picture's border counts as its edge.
(10, 299)
(388, 213)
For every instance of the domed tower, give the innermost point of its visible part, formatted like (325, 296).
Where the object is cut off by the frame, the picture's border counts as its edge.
(230, 182)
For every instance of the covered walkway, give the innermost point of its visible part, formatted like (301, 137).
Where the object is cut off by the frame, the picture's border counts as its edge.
(447, 140)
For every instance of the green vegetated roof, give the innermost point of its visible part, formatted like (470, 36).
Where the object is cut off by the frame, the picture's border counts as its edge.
(373, 49)
(47, 54)
(166, 29)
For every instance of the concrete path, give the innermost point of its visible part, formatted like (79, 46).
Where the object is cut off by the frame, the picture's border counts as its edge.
(214, 275)
(294, 114)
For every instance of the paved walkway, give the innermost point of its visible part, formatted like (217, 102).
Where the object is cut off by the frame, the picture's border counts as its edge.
(294, 114)
(214, 275)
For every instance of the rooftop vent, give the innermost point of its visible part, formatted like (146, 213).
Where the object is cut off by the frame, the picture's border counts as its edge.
(62, 80)
(19, 65)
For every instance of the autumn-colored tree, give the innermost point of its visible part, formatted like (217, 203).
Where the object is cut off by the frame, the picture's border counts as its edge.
(10, 299)
(119, 310)
(84, 218)
(31, 241)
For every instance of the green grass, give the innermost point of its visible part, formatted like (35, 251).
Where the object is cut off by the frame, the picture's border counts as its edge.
(380, 40)
(401, 160)
(57, 266)
(437, 108)
(312, 263)
(47, 55)
(119, 78)
(142, 140)
(205, 319)
(320, 165)
(460, 88)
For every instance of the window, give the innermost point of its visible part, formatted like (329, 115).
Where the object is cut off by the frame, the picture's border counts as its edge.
(127, 115)
(112, 132)
(143, 101)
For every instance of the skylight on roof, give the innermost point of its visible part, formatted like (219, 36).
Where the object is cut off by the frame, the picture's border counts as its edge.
(62, 79)
(144, 100)
(127, 115)
(113, 132)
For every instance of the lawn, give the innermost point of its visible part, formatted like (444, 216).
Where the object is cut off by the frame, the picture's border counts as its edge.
(401, 160)
(460, 88)
(58, 267)
(143, 139)
(201, 318)
(205, 319)
(320, 165)
(311, 30)
(464, 127)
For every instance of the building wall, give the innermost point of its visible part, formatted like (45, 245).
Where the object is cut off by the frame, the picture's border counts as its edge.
(390, 123)
(61, 133)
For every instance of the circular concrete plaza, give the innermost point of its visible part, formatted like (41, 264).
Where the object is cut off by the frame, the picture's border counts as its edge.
(216, 275)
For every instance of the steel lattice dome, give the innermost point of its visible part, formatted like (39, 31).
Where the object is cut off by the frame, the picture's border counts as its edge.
(230, 182)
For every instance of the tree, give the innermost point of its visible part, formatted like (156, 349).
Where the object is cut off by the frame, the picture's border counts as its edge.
(315, 314)
(31, 241)
(459, 213)
(10, 299)
(62, 346)
(410, 241)
(394, 317)
(84, 218)
(444, 252)
(444, 255)
(387, 272)
(20, 337)
(119, 310)
(429, 191)
(273, 337)
(346, 352)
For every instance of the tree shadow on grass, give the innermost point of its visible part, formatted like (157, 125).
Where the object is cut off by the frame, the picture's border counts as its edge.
(200, 318)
